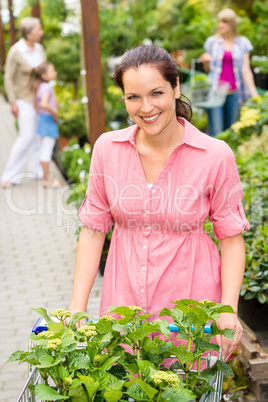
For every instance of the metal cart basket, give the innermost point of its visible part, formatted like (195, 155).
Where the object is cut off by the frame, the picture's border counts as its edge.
(34, 378)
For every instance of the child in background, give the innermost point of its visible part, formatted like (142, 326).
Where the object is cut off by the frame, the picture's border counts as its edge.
(47, 127)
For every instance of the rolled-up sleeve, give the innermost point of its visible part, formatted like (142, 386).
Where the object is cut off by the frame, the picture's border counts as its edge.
(95, 211)
(226, 209)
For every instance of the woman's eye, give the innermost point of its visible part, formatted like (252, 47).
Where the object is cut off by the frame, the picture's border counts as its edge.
(132, 97)
(158, 93)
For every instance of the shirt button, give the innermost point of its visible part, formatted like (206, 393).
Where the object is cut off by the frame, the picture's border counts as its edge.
(147, 212)
(144, 247)
(143, 268)
(240, 203)
(142, 291)
(153, 190)
(144, 310)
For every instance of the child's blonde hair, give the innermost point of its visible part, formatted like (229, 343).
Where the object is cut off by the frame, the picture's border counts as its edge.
(229, 16)
(36, 76)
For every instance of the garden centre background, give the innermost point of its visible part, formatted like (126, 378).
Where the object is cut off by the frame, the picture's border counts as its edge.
(38, 229)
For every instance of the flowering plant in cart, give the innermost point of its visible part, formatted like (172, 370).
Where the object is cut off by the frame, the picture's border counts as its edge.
(104, 370)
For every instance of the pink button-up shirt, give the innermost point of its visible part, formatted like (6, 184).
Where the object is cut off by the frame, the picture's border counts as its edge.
(159, 251)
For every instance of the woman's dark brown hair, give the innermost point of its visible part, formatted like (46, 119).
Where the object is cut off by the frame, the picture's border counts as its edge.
(163, 62)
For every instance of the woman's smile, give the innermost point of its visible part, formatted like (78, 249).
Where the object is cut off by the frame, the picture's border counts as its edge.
(151, 119)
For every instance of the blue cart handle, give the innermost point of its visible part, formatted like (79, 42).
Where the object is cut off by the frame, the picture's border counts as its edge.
(41, 325)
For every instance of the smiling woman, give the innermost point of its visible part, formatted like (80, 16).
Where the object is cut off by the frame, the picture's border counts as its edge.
(157, 182)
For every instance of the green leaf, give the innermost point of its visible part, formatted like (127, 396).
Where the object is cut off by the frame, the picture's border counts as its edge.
(224, 367)
(78, 394)
(77, 317)
(197, 317)
(109, 362)
(114, 382)
(146, 388)
(120, 328)
(18, 355)
(229, 333)
(78, 361)
(125, 311)
(177, 395)
(261, 298)
(91, 385)
(63, 373)
(124, 321)
(45, 393)
(147, 368)
(224, 309)
(163, 328)
(41, 311)
(201, 346)
(143, 331)
(103, 326)
(102, 377)
(136, 392)
(46, 362)
(182, 354)
(56, 327)
(165, 312)
(112, 395)
(144, 316)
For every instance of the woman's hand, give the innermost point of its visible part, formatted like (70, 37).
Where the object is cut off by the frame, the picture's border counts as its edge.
(205, 57)
(229, 320)
(14, 109)
(79, 323)
(55, 116)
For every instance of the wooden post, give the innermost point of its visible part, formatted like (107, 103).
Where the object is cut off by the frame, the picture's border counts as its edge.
(36, 13)
(2, 41)
(90, 24)
(12, 30)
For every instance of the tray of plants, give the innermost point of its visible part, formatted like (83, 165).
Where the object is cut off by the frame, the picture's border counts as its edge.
(199, 92)
(126, 359)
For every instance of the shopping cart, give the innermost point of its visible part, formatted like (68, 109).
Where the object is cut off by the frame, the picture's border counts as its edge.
(199, 92)
(34, 378)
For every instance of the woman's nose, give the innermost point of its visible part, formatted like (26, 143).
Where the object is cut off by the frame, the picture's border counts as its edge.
(147, 106)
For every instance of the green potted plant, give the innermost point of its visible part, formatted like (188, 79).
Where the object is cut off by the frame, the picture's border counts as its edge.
(120, 360)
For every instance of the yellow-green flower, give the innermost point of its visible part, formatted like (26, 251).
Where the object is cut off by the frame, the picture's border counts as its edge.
(53, 344)
(164, 378)
(45, 334)
(61, 314)
(107, 318)
(68, 380)
(248, 118)
(88, 330)
(135, 308)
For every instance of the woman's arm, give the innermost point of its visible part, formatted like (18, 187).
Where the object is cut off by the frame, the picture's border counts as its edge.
(10, 73)
(248, 76)
(205, 58)
(87, 263)
(232, 273)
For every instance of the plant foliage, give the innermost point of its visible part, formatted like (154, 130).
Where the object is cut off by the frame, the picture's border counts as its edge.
(124, 357)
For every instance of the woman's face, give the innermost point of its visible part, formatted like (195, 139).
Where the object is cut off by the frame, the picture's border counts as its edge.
(224, 27)
(36, 34)
(150, 99)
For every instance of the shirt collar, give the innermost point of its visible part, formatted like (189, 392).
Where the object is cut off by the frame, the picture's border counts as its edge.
(23, 47)
(191, 136)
